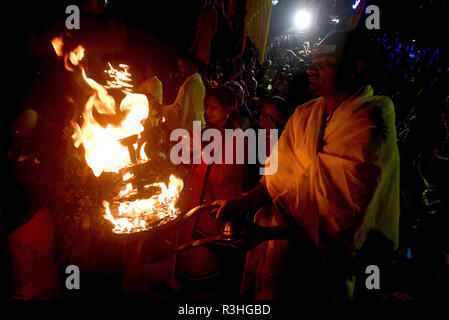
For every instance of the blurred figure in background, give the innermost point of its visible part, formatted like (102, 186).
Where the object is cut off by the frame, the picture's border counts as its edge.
(275, 113)
(241, 114)
(31, 265)
(188, 106)
(206, 30)
(152, 88)
(212, 272)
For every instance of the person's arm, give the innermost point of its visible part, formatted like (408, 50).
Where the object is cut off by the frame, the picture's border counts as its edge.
(198, 105)
(249, 201)
(193, 103)
(257, 197)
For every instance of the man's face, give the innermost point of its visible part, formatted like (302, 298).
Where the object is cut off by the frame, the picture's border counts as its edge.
(323, 73)
(181, 66)
(148, 72)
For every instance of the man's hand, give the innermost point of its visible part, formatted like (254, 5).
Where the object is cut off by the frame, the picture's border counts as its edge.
(232, 209)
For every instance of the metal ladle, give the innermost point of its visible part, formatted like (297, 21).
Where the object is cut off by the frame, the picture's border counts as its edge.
(244, 238)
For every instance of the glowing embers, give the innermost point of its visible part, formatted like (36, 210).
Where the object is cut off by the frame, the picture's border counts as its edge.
(143, 214)
(120, 78)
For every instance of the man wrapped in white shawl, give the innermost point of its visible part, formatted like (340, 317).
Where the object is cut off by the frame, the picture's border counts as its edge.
(338, 168)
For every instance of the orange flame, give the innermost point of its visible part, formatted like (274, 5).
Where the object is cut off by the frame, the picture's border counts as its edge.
(140, 214)
(120, 78)
(105, 153)
(57, 45)
(75, 57)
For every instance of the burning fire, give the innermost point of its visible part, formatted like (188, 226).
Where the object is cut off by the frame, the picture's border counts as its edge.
(120, 78)
(140, 214)
(104, 151)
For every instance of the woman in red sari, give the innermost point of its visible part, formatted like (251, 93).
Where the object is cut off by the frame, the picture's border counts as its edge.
(200, 270)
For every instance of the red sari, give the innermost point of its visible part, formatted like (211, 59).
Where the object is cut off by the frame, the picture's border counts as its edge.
(206, 184)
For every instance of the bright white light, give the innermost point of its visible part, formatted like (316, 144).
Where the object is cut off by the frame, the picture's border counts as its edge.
(275, 2)
(335, 20)
(356, 4)
(303, 19)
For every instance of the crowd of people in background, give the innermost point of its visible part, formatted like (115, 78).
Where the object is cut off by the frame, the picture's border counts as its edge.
(413, 74)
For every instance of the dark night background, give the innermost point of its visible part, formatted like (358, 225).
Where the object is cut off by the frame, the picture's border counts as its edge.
(174, 23)
(157, 31)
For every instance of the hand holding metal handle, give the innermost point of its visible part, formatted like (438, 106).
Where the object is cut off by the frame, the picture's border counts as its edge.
(244, 237)
(152, 252)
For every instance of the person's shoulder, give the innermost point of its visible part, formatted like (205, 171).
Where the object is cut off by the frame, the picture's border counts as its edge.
(155, 79)
(374, 109)
(194, 81)
(383, 101)
(307, 106)
(384, 104)
(310, 103)
(144, 83)
(364, 102)
(302, 111)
